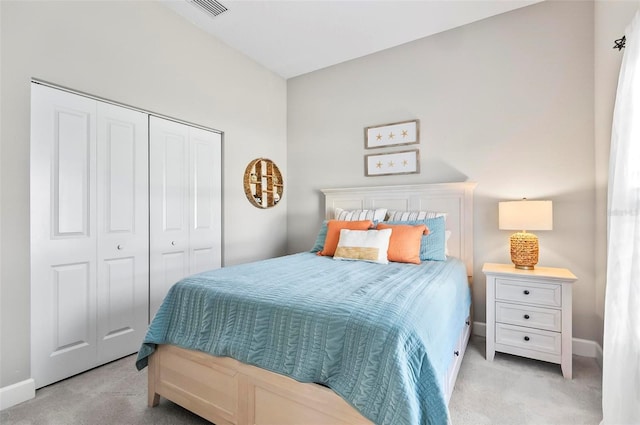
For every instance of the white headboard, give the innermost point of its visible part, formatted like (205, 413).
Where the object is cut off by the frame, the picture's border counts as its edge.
(455, 199)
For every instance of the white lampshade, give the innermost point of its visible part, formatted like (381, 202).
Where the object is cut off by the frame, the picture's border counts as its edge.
(525, 215)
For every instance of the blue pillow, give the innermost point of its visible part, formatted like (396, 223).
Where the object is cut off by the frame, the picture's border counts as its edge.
(322, 235)
(432, 246)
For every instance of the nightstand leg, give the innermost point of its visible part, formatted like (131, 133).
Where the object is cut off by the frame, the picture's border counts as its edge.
(491, 341)
(567, 368)
(567, 331)
(490, 354)
(490, 329)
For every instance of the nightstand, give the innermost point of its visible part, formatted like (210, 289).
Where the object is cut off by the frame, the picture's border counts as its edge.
(529, 313)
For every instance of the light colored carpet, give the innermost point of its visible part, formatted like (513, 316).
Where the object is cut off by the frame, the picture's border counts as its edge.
(513, 390)
(509, 390)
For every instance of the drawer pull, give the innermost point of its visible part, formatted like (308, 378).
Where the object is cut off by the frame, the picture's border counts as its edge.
(526, 292)
(457, 353)
(467, 323)
(526, 338)
(526, 316)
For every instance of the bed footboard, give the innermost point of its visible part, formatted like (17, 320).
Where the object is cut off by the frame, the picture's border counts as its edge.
(227, 392)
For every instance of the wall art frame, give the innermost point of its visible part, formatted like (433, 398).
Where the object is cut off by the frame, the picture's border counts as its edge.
(392, 163)
(394, 134)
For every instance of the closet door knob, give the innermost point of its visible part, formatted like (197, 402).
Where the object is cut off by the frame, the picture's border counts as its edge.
(526, 338)
(119, 247)
(173, 243)
(526, 292)
(526, 316)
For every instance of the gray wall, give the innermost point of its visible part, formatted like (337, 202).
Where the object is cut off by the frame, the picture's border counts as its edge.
(507, 102)
(142, 54)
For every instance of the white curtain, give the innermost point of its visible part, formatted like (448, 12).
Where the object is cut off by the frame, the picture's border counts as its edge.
(621, 361)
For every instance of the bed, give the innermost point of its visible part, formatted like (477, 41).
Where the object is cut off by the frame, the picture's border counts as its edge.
(354, 335)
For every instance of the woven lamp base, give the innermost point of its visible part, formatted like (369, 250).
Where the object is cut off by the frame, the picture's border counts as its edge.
(524, 250)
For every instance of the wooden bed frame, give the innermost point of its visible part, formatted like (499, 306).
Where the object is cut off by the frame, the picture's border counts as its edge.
(228, 392)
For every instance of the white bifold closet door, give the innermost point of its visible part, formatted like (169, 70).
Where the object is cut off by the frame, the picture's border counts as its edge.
(185, 204)
(89, 233)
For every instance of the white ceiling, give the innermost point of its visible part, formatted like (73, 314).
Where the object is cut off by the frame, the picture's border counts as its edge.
(293, 37)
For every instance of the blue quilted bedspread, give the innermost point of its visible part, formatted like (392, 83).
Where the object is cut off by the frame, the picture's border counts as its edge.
(381, 336)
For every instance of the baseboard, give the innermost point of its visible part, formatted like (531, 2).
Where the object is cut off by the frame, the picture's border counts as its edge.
(588, 348)
(599, 355)
(17, 393)
(480, 329)
(581, 347)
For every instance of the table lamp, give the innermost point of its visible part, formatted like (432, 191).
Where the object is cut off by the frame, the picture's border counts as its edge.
(522, 216)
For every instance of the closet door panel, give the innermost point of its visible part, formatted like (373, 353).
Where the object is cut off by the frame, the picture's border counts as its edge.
(175, 194)
(63, 234)
(123, 237)
(118, 299)
(169, 207)
(173, 269)
(205, 200)
(72, 312)
(71, 165)
(185, 204)
(203, 259)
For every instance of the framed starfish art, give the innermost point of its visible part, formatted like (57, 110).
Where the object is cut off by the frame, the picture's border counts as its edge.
(384, 164)
(394, 134)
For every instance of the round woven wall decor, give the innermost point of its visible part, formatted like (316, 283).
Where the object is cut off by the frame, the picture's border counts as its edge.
(263, 184)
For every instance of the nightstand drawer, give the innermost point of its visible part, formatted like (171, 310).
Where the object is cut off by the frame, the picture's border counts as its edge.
(529, 316)
(529, 339)
(529, 292)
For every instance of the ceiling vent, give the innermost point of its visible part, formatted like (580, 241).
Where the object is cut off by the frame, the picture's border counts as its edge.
(210, 7)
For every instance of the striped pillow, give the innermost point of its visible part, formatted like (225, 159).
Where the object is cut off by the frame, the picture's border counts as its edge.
(359, 215)
(413, 215)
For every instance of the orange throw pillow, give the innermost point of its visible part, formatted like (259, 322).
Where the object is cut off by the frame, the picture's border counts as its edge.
(404, 244)
(333, 233)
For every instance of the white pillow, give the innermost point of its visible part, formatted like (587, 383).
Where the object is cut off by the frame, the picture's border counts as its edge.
(363, 245)
(359, 215)
(413, 215)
